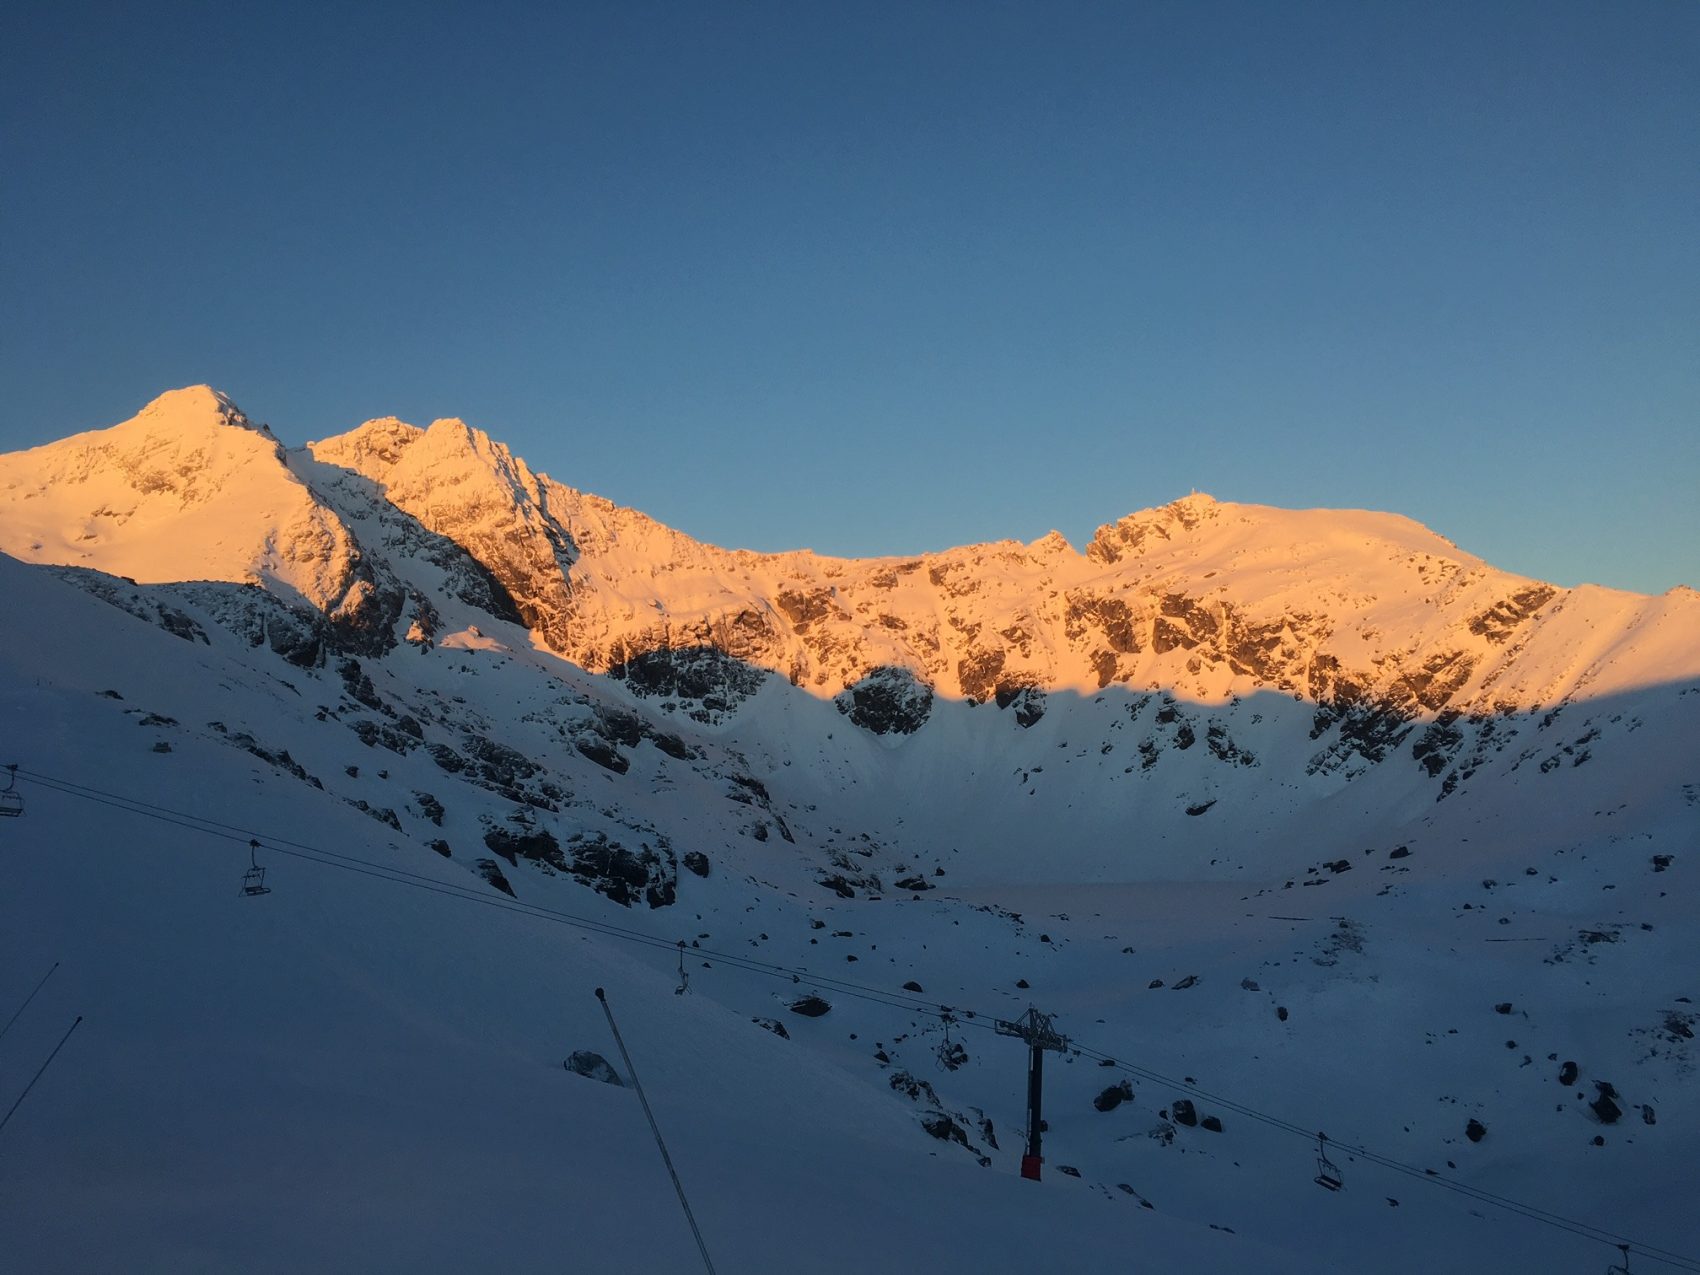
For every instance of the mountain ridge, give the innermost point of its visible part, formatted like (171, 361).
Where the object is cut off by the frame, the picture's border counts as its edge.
(1360, 847)
(1376, 620)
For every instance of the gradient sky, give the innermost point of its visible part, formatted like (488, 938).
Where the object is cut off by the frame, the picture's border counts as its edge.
(881, 278)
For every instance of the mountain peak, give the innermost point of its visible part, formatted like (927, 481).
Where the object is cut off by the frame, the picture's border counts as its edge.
(1125, 537)
(195, 406)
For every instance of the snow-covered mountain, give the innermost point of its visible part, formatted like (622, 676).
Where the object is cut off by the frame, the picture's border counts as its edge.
(1001, 772)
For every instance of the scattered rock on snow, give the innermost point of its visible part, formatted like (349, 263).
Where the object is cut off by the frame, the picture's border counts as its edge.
(593, 1066)
(492, 874)
(1114, 1096)
(1606, 1110)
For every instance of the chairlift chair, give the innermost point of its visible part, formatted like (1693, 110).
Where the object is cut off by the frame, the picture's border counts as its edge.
(254, 879)
(1328, 1173)
(1614, 1268)
(11, 800)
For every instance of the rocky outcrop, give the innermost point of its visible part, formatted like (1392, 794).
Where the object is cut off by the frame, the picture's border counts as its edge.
(888, 701)
(1406, 649)
(593, 1066)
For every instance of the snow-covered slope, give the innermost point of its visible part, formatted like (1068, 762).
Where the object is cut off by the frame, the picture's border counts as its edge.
(1312, 807)
(187, 489)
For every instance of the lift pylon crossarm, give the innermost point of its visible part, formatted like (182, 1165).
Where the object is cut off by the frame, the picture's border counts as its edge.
(1036, 1029)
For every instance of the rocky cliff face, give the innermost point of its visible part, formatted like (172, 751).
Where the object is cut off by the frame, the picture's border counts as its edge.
(1396, 640)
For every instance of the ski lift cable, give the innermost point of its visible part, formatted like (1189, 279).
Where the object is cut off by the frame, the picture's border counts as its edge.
(283, 845)
(387, 872)
(1529, 1211)
(40, 1071)
(893, 1000)
(21, 1008)
(1374, 1157)
(654, 1128)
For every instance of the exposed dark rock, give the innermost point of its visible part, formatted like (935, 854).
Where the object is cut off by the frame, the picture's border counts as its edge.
(1110, 616)
(839, 886)
(1567, 1073)
(1201, 807)
(804, 609)
(622, 874)
(1436, 746)
(280, 759)
(773, 1025)
(1498, 621)
(1212, 1123)
(1648, 1115)
(358, 685)
(617, 726)
(912, 986)
(977, 673)
(888, 700)
(696, 861)
(1400, 852)
(603, 753)
(1181, 1111)
(1114, 1096)
(429, 806)
(488, 869)
(1183, 624)
(1068, 1170)
(383, 814)
(916, 1089)
(520, 840)
(671, 744)
(809, 1006)
(441, 847)
(593, 1066)
(944, 1128)
(382, 734)
(915, 884)
(1604, 1108)
(1191, 980)
(1023, 696)
(1475, 1130)
(718, 681)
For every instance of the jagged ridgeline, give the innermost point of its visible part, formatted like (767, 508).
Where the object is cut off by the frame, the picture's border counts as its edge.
(1234, 664)
(1301, 813)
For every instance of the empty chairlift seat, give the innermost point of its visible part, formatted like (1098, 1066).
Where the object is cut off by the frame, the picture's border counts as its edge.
(11, 800)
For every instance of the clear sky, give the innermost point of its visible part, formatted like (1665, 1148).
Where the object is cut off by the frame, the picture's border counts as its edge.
(879, 278)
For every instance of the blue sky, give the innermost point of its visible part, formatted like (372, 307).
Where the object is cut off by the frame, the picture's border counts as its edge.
(880, 278)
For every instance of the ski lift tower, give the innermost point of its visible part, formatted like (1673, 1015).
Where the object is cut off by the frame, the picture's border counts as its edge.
(1036, 1029)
